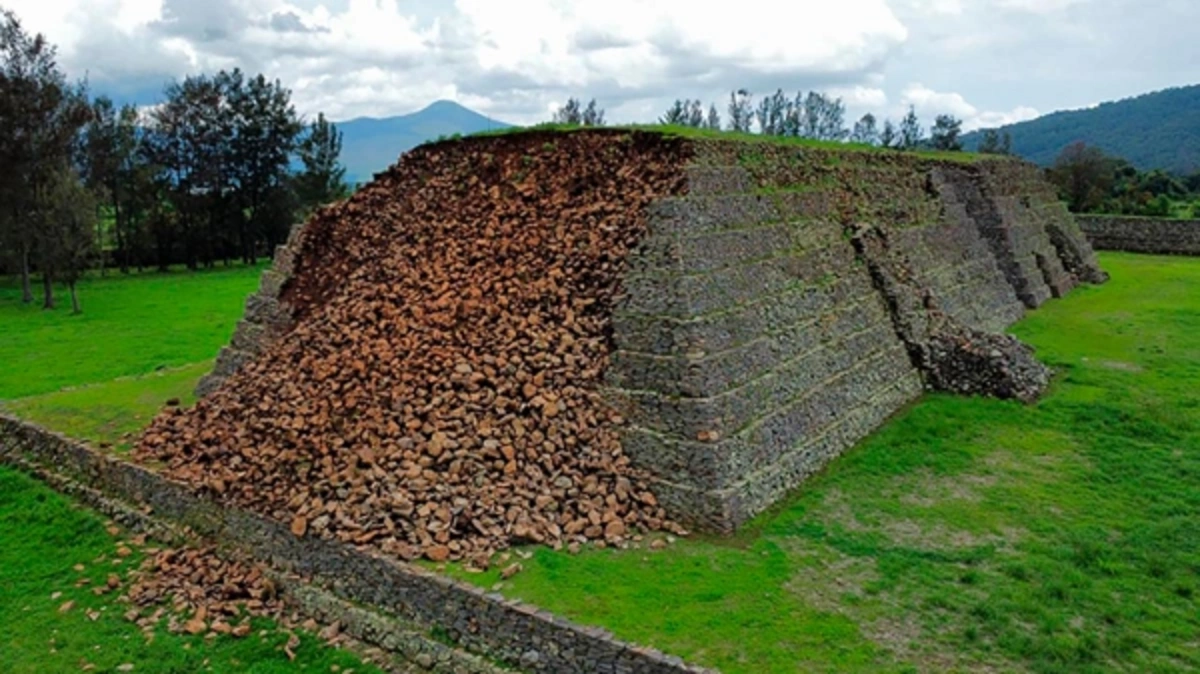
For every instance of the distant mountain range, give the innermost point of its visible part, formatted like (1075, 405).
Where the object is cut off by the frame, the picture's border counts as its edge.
(372, 145)
(1155, 130)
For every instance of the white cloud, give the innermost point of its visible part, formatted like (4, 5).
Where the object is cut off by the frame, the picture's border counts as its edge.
(516, 60)
(385, 56)
(1038, 6)
(860, 97)
(929, 103)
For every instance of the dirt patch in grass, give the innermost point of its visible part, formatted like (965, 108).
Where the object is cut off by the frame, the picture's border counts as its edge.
(847, 586)
(913, 533)
(1123, 366)
(826, 583)
(925, 489)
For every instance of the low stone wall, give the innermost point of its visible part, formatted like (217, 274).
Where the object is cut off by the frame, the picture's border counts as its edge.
(511, 632)
(1161, 236)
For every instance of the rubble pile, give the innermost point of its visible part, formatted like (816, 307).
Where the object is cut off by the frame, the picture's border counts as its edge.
(202, 592)
(437, 395)
(951, 356)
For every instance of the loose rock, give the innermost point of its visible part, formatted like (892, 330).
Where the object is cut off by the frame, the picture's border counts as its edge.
(438, 393)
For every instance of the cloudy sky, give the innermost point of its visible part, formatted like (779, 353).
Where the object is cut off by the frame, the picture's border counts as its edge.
(985, 61)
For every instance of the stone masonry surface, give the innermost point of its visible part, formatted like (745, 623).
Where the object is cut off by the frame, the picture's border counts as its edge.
(265, 318)
(711, 320)
(787, 300)
(1160, 236)
(795, 298)
(514, 633)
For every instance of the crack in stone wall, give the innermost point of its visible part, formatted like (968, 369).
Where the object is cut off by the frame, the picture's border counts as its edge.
(795, 298)
(951, 356)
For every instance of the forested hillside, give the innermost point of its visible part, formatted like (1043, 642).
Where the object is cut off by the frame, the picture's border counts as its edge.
(1155, 130)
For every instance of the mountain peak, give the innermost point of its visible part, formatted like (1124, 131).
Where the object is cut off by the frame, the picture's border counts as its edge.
(370, 145)
(444, 105)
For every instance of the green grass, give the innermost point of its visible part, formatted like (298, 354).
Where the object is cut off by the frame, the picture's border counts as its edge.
(43, 537)
(107, 413)
(966, 534)
(722, 135)
(129, 326)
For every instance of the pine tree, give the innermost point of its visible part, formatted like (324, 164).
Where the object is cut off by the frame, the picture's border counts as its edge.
(675, 115)
(945, 133)
(67, 232)
(713, 121)
(865, 131)
(323, 179)
(888, 137)
(911, 133)
(741, 111)
(990, 144)
(592, 116)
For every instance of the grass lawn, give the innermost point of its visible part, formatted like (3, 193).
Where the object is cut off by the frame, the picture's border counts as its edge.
(43, 537)
(107, 413)
(129, 326)
(968, 534)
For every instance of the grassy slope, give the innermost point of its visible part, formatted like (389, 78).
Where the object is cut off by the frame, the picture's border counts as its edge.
(44, 536)
(1061, 537)
(724, 136)
(129, 326)
(106, 413)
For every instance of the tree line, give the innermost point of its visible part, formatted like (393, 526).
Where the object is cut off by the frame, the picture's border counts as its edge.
(1092, 181)
(1088, 179)
(216, 172)
(813, 115)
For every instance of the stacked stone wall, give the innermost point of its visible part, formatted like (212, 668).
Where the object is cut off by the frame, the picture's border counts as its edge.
(792, 299)
(759, 337)
(265, 318)
(751, 347)
(1159, 236)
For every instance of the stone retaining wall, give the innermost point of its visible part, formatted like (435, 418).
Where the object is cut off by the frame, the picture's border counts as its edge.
(516, 634)
(265, 317)
(754, 343)
(1160, 236)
